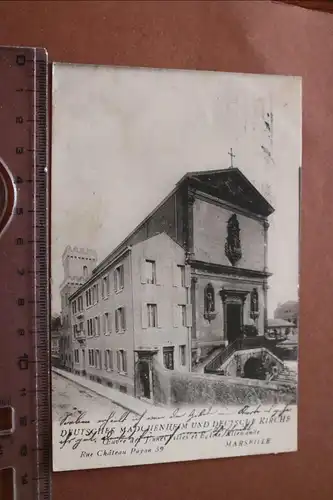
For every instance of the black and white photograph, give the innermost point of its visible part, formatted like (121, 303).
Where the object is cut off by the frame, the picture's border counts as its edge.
(175, 265)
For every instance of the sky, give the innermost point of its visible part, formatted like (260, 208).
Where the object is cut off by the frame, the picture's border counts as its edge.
(123, 137)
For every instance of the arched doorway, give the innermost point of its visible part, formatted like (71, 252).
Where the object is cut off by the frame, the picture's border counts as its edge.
(254, 369)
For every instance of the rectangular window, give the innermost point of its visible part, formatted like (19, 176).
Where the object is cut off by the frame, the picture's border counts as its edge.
(90, 327)
(97, 326)
(81, 327)
(91, 357)
(120, 320)
(108, 360)
(89, 297)
(122, 361)
(105, 286)
(181, 275)
(152, 315)
(150, 271)
(182, 314)
(98, 359)
(106, 323)
(168, 357)
(119, 278)
(76, 356)
(80, 303)
(182, 355)
(74, 307)
(95, 296)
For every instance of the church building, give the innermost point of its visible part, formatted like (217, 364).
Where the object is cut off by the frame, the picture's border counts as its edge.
(187, 281)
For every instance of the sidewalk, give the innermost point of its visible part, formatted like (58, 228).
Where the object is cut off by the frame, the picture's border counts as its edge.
(127, 402)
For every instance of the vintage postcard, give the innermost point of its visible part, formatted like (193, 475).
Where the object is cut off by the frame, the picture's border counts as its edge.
(175, 265)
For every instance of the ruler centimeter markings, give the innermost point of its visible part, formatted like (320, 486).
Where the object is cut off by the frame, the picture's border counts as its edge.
(25, 423)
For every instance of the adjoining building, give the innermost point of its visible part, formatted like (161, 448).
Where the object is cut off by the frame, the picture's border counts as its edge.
(185, 283)
(280, 328)
(287, 311)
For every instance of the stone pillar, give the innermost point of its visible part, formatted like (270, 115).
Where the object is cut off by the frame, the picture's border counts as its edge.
(265, 284)
(266, 227)
(194, 301)
(189, 224)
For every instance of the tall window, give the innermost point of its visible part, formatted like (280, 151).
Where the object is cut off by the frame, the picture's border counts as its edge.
(181, 275)
(106, 323)
(119, 278)
(95, 297)
(85, 271)
(98, 361)
(122, 361)
(182, 355)
(105, 286)
(76, 356)
(182, 314)
(91, 357)
(168, 357)
(90, 327)
(150, 271)
(120, 320)
(74, 307)
(152, 315)
(97, 326)
(108, 360)
(80, 303)
(89, 297)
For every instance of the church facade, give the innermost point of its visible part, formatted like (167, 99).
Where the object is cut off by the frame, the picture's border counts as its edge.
(188, 280)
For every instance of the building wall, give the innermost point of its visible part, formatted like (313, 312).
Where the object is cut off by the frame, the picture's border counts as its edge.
(78, 264)
(169, 218)
(110, 340)
(214, 329)
(287, 311)
(167, 293)
(210, 232)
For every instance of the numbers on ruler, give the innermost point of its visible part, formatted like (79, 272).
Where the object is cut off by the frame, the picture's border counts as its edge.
(23, 392)
(19, 241)
(24, 479)
(23, 421)
(20, 332)
(19, 211)
(19, 150)
(24, 450)
(20, 302)
(20, 59)
(23, 362)
(19, 120)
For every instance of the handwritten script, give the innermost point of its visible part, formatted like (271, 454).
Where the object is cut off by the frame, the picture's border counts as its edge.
(125, 433)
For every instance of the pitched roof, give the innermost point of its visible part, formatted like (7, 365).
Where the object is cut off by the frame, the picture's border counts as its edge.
(232, 186)
(227, 184)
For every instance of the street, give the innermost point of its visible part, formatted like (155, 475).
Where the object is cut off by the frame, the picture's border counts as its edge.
(67, 396)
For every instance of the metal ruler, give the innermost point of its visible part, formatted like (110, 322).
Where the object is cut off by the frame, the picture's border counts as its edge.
(25, 423)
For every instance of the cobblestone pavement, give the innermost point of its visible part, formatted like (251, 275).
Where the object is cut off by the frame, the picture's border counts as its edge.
(67, 396)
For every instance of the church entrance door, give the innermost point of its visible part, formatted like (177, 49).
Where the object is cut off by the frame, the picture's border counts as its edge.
(234, 321)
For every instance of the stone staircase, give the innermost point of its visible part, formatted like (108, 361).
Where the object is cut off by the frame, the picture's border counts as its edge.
(286, 376)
